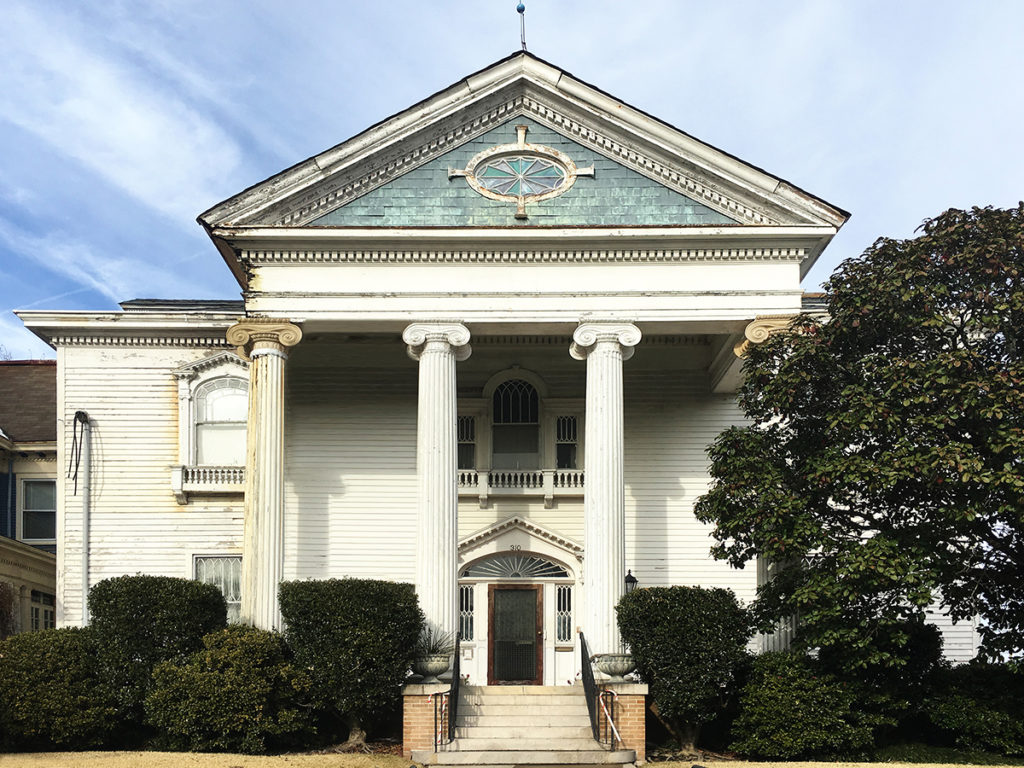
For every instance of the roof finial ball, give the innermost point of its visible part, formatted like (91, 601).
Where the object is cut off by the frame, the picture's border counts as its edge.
(521, 8)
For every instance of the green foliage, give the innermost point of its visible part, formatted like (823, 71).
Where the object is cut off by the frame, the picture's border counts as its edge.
(688, 643)
(241, 693)
(141, 621)
(357, 637)
(790, 709)
(434, 642)
(51, 692)
(883, 466)
(926, 753)
(978, 706)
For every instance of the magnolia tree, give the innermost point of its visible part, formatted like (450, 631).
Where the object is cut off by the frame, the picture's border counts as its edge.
(882, 468)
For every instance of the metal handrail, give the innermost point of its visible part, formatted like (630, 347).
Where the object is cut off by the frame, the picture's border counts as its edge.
(453, 692)
(589, 687)
(609, 714)
(447, 703)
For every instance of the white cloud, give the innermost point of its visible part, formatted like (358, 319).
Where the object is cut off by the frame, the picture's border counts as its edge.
(108, 116)
(115, 277)
(20, 342)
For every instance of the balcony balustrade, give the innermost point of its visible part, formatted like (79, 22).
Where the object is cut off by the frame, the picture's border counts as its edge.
(548, 483)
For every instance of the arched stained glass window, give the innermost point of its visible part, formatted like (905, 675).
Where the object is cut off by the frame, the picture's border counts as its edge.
(515, 567)
(515, 417)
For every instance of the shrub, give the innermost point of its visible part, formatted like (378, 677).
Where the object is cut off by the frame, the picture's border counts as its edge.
(357, 638)
(791, 709)
(241, 693)
(51, 693)
(908, 654)
(978, 706)
(688, 643)
(141, 621)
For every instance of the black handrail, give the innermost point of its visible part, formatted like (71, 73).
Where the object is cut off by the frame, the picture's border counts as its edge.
(589, 686)
(453, 692)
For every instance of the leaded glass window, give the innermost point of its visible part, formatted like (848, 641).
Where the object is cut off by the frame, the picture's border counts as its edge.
(563, 614)
(516, 426)
(467, 442)
(225, 573)
(466, 611)
(515, 567)
(521, 176)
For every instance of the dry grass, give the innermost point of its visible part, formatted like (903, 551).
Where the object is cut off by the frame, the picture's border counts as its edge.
(193, 760)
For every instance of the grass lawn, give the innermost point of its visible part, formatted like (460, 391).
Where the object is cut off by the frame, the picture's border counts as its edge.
(194, 760)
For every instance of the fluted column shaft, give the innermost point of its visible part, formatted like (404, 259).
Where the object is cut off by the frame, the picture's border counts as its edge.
(604, 346)
(264, 342)
(437, 347)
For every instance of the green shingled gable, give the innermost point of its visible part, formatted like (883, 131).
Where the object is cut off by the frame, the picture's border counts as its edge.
(615, 196)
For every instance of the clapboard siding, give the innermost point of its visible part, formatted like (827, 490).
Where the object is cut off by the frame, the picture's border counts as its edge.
(136, 526)
(670, 419)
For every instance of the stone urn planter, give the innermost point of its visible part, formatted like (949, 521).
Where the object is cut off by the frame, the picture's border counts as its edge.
(431, 666)
(615, 665)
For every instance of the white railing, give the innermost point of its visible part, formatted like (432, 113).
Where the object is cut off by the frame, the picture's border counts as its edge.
(206, 480)
(548, 483)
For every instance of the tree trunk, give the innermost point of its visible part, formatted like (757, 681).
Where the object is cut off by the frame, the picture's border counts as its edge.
(356, 735)
(684, 733)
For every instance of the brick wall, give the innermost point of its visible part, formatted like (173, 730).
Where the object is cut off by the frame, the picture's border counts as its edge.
(418, 717)
(630, 716)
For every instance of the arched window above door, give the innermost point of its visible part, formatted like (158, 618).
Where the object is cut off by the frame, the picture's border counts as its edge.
(512, 566)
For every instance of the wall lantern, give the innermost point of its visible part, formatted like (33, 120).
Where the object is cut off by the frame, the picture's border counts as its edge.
(631, 581)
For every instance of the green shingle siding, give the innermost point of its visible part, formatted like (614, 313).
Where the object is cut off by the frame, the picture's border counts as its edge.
(615, 196)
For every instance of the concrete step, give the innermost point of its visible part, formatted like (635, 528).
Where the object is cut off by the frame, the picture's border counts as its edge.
(514, 711)
(526, 744)
(522, 690)
(531, 731)
(538, 758)
(522, 700)
(502, 720)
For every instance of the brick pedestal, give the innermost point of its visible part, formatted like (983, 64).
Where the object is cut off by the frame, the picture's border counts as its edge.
(418, 716)
(630, 715)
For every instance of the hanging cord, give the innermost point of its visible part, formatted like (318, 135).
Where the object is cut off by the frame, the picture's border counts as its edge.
(75, 459)
(521, 9)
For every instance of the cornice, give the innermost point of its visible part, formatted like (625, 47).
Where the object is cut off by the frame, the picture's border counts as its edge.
(521, 523)
(188, 370)
(526, 256)
(84, 340)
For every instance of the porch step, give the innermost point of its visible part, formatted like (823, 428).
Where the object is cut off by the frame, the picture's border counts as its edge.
(536, 759)
(523, 725)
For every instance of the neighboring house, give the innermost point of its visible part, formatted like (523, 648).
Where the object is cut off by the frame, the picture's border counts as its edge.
(483, 348)
(28, 494)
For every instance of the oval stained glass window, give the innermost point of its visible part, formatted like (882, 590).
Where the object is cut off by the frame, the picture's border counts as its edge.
(520, 176)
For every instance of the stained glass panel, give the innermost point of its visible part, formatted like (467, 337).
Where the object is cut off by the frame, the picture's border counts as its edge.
(520, 176)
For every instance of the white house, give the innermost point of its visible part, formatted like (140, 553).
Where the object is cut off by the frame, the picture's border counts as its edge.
(482, 347)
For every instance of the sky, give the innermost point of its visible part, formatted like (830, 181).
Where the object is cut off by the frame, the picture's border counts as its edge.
(121, 121)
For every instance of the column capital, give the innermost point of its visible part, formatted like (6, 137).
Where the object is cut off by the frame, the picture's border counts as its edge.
(455, 335)
(759, 329)
(588, 335)
(255, 336)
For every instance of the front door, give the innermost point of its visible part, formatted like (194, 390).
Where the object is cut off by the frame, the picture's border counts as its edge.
(516, 634)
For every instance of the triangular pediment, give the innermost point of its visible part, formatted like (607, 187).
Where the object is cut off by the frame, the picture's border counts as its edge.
(679, 180)
(221, 361)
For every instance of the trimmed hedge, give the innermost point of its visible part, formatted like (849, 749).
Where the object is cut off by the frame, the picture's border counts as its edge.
(357, 638)
(51, 691)
(790, 709)
(241, 693)
(141, 621)
(688, 644)
(979, 706)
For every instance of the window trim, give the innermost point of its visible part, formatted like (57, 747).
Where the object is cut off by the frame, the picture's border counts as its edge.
(187, 476)
(22, 479)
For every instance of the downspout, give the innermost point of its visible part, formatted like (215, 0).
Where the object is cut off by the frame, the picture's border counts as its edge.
(12, 525)
(81, 449)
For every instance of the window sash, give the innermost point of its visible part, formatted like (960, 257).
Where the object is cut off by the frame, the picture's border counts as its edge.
(39, 510)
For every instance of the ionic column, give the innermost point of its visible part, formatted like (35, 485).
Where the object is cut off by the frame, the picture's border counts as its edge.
(604, 346)
(264, 341)
(437, 346)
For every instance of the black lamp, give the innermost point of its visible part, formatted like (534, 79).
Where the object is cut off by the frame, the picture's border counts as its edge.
(631, 581)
